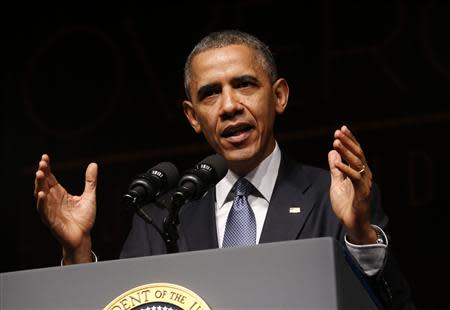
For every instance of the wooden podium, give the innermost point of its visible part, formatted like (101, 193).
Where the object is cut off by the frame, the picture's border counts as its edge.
(302, 274)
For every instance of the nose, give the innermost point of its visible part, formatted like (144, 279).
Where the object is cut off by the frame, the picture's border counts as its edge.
(231, 104)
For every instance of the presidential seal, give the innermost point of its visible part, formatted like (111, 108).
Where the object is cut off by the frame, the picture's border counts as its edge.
(158, 296)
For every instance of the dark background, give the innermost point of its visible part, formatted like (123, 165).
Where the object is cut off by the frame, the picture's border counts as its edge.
(103, 83)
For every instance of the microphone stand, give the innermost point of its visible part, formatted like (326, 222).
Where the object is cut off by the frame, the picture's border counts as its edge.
(170, 227)
(132, 202)
(170, 234)
(172, 221)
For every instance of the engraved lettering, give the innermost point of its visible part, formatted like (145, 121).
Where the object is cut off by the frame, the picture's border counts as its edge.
(125, 304)
(199, 307)
(206, 167)
(145, 293)
(151, 293)
(160, 294)
(136, 299)
(177, 297)
(157, 173)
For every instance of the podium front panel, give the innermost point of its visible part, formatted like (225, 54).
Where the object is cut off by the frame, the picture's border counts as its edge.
(301, 274)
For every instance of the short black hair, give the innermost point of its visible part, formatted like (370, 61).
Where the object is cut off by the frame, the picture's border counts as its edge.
(225, 38)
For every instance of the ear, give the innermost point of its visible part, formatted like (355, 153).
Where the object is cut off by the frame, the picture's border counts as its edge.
(281, 91)
(189, 111)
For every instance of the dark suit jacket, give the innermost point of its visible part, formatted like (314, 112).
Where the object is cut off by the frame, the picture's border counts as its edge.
(297, 185)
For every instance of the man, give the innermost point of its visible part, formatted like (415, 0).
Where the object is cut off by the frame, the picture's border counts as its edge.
(233, 96)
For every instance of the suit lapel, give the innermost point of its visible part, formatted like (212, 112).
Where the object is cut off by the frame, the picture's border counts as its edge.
(198, 224)
(283, 221)
(289, 207)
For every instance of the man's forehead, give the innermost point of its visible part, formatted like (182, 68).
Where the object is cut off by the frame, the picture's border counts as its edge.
(224, 63)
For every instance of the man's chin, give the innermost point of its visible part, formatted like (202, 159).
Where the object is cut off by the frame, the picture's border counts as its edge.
(237, 156)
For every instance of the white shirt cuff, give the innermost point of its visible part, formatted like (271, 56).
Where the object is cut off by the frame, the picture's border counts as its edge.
(370, 257)
(94, 258)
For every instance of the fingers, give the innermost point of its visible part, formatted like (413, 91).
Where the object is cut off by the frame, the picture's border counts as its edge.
(46, 158)
(339, 170)
(349, 171)
(44, 166)
(39, 180)
(39, 183)
(44, 178)
(349, 148)
(349, 134)
(91, 178)
(41, 198)
(351, 153)
(333, 160)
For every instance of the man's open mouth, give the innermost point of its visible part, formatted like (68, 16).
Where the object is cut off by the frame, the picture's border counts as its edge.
(237, 130)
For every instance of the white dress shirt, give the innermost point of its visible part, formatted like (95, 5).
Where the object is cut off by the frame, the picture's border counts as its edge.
(370, 257)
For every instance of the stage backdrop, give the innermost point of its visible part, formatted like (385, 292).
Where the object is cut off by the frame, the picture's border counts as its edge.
(99, 83)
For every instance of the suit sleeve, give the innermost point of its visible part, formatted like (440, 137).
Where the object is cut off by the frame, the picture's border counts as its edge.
(143, 238)
(389, 284)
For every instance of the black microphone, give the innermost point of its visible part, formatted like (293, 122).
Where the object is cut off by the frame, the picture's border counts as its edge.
(147, 186)
(195, 182)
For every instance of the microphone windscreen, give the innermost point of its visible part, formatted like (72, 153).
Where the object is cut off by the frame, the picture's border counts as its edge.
(218, 163)
(169, 171)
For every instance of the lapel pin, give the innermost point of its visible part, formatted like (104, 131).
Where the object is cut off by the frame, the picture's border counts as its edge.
(295, 210)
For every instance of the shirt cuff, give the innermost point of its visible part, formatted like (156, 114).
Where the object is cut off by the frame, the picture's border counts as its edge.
(94, 258)
(370, 257)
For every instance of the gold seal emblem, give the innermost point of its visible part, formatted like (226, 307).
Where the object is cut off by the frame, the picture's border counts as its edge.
(158, 296)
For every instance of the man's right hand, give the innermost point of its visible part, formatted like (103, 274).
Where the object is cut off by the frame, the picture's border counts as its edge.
(70, 218)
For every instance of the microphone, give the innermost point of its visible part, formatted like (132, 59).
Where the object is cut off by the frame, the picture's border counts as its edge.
(195, 182)
(192, 185)
(147, 186)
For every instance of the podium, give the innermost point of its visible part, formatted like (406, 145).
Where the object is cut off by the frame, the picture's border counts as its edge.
(300, 274)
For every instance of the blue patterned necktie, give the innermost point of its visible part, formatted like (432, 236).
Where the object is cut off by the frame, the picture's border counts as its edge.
(240, 229)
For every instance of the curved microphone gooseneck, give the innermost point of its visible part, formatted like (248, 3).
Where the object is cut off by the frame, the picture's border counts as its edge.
(148, 186)
(193, 185)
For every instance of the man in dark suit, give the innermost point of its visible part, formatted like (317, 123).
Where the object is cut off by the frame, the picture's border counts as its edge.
(233, 96)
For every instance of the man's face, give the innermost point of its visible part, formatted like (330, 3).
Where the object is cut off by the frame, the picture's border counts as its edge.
(234, 104)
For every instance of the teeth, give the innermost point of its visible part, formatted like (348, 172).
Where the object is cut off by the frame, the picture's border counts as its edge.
(236, 131)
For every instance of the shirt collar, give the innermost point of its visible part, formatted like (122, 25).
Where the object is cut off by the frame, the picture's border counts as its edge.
(263, 178)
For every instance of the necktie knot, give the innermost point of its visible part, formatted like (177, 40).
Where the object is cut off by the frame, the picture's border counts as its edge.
(243, 187)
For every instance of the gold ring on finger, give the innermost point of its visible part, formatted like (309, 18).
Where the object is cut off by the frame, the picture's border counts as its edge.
(362, 169)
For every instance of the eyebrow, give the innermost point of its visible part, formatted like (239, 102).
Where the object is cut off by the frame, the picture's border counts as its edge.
(244, 79)
(206, 89)
(216, 87)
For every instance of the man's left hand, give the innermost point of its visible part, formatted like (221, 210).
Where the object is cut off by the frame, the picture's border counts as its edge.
(351, 184)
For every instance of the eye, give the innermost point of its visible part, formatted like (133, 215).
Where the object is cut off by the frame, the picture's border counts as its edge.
(208, 96)
(212, 92)
(245, 84)
(209, 91)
